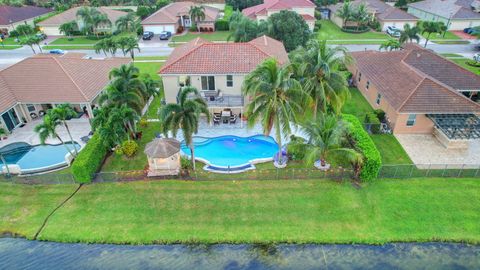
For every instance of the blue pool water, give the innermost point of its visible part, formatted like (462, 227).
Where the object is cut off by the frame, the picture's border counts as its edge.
(232, 151)
(38, 157)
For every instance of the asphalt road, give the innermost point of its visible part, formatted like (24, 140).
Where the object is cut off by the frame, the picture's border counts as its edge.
(10, 57)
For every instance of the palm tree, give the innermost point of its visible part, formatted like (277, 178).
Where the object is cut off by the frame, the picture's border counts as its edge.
(110, 126)
(244, 30)
(68, 28)
(111, 45)
(360, 15)
(345, 12)
(127, 23)
(131, 44)
(64, 112)
(276, 96)
(102, 46)
(185, 116)
(326, 136)
(430, 28)
(318, 68)
(127, 116)
(49, 129)
(87, 15)
(152, 87)
(29, 41)
(409, 34)
(197, 13)
(390, 45)
(100, 19)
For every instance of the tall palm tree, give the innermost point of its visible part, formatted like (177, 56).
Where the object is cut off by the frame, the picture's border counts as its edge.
(127, 23)
(87, 14)
(185, 116)
(326, 136)
(131, 44)
(30, 41)
(431, 27)
(244, 30)
(100, 19)
(48, 128)
(64, 112)
(276, 98)
(360, 15)
(152, 87)
(102, 46)
(318, 68)
(118, 93)
(127, 116)
(68, 28)
(111, 45)
(390, 45)
(345, 12)
(197, 13)
(110, 126)
(409, 34)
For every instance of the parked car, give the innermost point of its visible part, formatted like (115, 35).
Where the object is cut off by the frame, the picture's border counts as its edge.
(57, 51)
(147, 35)
(476, 57)
(165, 35)
(472, 30)
(393, 31)
(42, 36)
(466, 30)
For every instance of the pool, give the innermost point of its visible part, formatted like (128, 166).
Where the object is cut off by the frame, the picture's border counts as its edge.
(36, 158)
(232, 153)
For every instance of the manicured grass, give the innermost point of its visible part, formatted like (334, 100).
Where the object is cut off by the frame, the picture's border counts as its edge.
(151, 68)
(463, 63)
(356, 42)
(151, 58)
(357, 105)
(448, 55)
(330, 31)
(451, 41)
(9, 41)
(10, 47)
(74, 40)
(390, 149)
(214, 36)
(24, 207)
(448, 36)
(68, 47)
(308, 211)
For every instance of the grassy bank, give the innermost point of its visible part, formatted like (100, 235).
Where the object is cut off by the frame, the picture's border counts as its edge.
(330, 31)
(211, 36)
(249, 211)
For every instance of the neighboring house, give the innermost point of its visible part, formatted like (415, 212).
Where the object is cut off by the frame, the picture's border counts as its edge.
(175, 15)
(385, 14)
(11, 17)
(51, 25)
(40, 82)
(217, 70)
(219, 4)
(305, 8)
(421, 93)
(458, 14)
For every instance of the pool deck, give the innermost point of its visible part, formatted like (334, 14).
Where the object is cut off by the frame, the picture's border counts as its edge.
(78, 128)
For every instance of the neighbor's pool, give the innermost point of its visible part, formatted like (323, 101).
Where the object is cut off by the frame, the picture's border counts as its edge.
(37, 158)
(232, 151)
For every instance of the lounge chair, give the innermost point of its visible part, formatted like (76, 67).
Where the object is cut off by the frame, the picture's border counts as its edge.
(233, 119)
(216, 120)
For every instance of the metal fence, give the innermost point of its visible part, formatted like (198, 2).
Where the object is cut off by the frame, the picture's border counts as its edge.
(44, 179)
(430, 170)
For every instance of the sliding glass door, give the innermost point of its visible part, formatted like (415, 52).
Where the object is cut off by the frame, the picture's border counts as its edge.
(10, 119)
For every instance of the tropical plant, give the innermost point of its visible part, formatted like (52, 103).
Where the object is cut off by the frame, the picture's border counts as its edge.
(390, 45)
(127, 23)
(276, 98)
(345, 12)
(25, 29)
(87, 15)
(326, 137)
(430, 27)
(129, 148)
(131, 44)
(184, 115)
(102, 46)
(48, 128)
(64, 112)
(100, 19)
(318, 68)
(409, 34)
(153, 87)
(360, 15)
(68, 28)
(288, 27)
(243, 29)
(30, 41)
(197, 14)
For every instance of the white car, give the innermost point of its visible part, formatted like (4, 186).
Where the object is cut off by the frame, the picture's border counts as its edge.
(476, 57)
(393, 31)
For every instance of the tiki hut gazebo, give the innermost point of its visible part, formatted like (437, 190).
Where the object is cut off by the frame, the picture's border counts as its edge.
(163, 157)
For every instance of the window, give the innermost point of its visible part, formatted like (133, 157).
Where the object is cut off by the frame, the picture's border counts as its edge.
(31, 107)
(359, 76)
(184, 81)
(379, 97)
(412, 118)
(208, 83)
(229, 80)
(368, 84)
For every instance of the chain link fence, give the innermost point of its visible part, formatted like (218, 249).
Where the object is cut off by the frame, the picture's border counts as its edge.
(44, 179)
(430, 170)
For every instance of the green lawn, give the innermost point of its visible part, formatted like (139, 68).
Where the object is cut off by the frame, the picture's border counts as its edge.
(309, 211)
(10, 47)
(214, 36)
(74, 41)
(448, 36)
(450, 55)
(68, 47)
(330, 31)
(357, 105)
(151, 68)
(463, 63)
(391, 150)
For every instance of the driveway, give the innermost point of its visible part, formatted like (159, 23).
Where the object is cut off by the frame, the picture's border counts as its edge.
(154, 42)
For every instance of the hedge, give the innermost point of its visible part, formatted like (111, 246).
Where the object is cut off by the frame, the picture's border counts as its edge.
(354, 30)
(222, 25)
(89, 160)
(363, 143)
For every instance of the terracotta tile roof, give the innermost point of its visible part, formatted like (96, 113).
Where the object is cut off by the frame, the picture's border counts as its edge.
(381, 10)
(203, 2)
(409, 89)
(203, 57)
(17, 14)
(71, 15)
(55, 79)
(171, 12)
(307, 17)
(458, 9)
(276, 5)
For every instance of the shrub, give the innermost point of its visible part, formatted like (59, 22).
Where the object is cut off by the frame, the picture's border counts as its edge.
(354, 30)
(89, 160)
(143, 122)
(318, 26)
(296, 148)
(129, 148)
(193, 28)
(185, 163)
(13, 33)
(227, 13)
(473, 63)
(374, 123)
(361, 141)
(222, 25)
(380, 115)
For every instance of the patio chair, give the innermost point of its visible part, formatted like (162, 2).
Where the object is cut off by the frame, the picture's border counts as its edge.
(220, 96)
(233, 119)
(216, 120)
(33, 115)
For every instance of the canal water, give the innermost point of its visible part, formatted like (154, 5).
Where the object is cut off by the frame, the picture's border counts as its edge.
(24, 254)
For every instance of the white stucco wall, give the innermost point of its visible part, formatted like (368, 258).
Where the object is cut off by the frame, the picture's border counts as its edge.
(398, 24)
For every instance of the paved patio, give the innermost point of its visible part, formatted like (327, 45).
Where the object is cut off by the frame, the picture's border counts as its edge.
(425, 149)
(78, 128)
